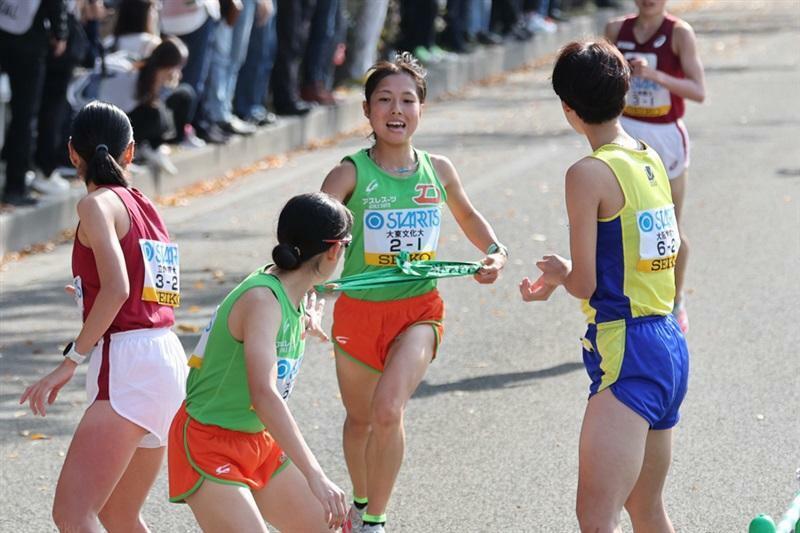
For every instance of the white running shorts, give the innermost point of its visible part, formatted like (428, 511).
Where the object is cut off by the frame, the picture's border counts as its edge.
(670, 141)
(144, 378)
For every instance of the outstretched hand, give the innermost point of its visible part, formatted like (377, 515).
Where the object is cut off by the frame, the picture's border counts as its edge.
(44, 392)
(332, 498)
(315, 310)
(535, 291)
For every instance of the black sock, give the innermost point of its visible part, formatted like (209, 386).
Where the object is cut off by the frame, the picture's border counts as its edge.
(360, 506)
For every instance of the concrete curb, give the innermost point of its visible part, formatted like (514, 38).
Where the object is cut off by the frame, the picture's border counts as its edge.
(24, 227)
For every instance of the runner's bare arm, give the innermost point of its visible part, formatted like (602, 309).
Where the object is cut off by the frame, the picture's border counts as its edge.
(256, 316)
(476, 228)
(97, 225)
(584, 192)
(341, 181)
(471, 222)
(693, 86)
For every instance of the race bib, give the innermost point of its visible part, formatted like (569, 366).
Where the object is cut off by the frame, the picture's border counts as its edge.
(646, 98)
(287, 375)
(389, 232)
(199, 352)
(78, 294)
(162, 280)
(659, 240)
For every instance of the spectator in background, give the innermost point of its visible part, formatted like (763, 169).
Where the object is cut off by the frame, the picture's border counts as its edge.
(136, 29)
(454, 36)
(417, 26)
(227, 57)
(318, 59)
(537, 16)
(158, 108)
(506, 18)
(51, 138)
(157, 120)
(24, 43)
(92, 12)
(362, 39)
(478, 19)
(293, 19)
(252, 86)
(194, 23)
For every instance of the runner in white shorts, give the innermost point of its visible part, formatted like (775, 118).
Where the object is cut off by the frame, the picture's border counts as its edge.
(127, 281)
(666, 68)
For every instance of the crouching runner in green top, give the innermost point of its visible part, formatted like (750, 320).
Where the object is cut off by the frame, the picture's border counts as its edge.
(223, 461)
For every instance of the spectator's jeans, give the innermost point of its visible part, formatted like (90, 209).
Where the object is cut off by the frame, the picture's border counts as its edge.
(319, 50)
(293, 21)
(362, 46)
(195, 72)
(253, 82)
(478, 13)
(23, 58)
(227, 56)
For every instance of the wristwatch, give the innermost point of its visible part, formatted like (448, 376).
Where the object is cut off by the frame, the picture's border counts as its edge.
(497, 248)
(70, 353)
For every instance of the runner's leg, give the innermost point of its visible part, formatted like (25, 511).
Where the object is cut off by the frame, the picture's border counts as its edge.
(122, 510)
(646, 503)
(611, 452)
(287, 503)
(101, 450)
(357, 385)
(408, 359)
(220, 508)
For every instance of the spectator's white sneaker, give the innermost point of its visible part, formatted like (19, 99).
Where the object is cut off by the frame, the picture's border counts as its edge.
(157, 158)
(54, 185)
(190, 138)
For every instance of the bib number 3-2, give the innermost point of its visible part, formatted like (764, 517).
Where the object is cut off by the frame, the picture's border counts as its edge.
(162, 278)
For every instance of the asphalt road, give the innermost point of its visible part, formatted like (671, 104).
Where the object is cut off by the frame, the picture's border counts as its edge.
(493, 429)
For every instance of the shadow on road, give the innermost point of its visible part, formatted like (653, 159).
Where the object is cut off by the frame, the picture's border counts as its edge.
(494, 381)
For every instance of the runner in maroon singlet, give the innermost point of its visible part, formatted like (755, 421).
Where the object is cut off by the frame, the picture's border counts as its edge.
(662, 51)
(127, 281)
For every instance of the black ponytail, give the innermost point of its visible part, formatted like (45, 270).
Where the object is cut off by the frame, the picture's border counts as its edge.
(305, 223)
(101, 133)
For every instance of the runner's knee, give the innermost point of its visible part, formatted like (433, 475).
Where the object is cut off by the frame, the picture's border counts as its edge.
(645, 511)
(357, 424)
(595, 513)
(68, 517)
(387, 412)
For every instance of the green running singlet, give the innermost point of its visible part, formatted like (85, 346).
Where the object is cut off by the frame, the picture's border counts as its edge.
(216, 391)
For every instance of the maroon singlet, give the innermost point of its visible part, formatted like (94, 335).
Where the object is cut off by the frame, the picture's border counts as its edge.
(658, 50)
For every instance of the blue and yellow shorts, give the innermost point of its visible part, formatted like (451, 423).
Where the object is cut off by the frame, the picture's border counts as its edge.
(645, 363)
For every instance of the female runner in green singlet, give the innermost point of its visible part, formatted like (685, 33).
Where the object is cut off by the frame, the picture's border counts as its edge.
(386, 338)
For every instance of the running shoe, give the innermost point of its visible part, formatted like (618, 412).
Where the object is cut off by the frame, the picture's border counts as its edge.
(354, 519)
(680, 314)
